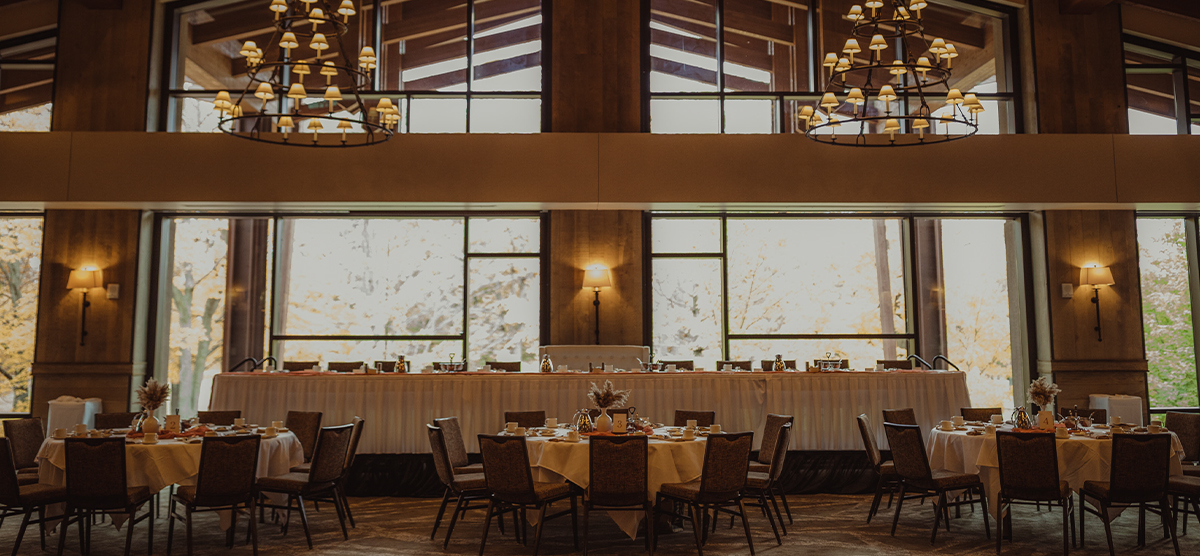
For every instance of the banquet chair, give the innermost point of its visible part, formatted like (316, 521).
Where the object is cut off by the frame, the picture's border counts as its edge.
(702, 418)
(889, 364)
(1138, 476)
(766, 456)
(224, 482)
(1098, 416)
(510, 480)
(225, 418)
(683, 365)
(506, 366)
(889, 480)
(905, 416)
(736, 365)
(344, 366)
(306, 425)
(1029, 475)
(527, 419)
(762, 486)
(1186, 490)
(618, 468)
(456, 447)
(468, 487)
(358, 423)
(19, 499)
(912, 464)
(769, 364)
(982, 414)
(722, 480)
(96, 481)
(328, 465)
(386, 366)
(1187, 427)
(115, 420)
(26, 437)
(300, 365)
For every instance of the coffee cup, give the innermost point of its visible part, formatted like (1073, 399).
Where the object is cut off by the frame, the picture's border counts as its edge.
(316, 367)
(519, 431)
(689, 434)
(947, 425)
(671, 367)
(1115, 420)
(551, 422)
(1156, 422)
(989, 429)
(81, 429)
(1154, 429)
(691, 424)
(713, 429)
(510, 427)
(277, 424)
(151, 438)
(997, 419)
(487, 368)
(957, 420)
(60, 433)
(271, 431)
(573, 436)
(1061, 432)
(239, 422)
(727, 367)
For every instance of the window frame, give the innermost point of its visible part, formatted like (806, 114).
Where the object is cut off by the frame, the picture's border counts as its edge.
(1191, 223)
(32, 383)
(912, 277)
(404, 97)
(1177, 68)
(1011, 42)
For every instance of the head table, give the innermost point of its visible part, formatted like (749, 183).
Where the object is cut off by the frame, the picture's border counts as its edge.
(824, 404)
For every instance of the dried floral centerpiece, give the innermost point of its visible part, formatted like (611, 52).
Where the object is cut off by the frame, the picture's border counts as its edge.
(605, 397)
(1043, 392)
(151, 396)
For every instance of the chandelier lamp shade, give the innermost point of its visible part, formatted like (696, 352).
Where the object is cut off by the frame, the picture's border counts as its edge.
(277, 106)
(885, 100)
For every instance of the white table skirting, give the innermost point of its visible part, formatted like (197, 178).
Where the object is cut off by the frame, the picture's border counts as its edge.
(67, 411)
(397, 407)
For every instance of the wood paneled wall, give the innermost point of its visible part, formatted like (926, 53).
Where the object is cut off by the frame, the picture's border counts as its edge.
(596, 70)
(1083, 364)
(579, 238)
(1078, 66)
(103, 366)
(102, 69)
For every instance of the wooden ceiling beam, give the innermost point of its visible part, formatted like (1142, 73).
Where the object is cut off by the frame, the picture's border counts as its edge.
(31, 16)
(735, 22)
(25, 98)
(705, 76)
(740, 56)
(413, 58)
(456, 18)
(1183, 8)
(483, 71)
(1081, 7)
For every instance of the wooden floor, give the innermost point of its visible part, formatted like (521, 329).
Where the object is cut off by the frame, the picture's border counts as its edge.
(826, 525)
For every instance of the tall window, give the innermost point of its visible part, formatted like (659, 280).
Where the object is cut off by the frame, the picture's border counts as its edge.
(1162, 86)
(452, 66)
(27, 77)
(749, 287)
(747, 66)
(20, 272)
(1166, 259)
(431, 289)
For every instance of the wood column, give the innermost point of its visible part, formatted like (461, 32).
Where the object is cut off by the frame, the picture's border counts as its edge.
(1075, 74)
(246, 291)
(1082, 364)
(595, 75)
(102, 71)
(104, 365)
(580, 238)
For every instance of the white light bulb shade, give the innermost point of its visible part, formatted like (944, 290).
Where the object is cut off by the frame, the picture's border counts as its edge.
(878, 43)
(333, 94)
(318, 42)
(346, 8)
(297, 91)
(829, 101)
(264, 91)
(248, 49)
(288, 40)
(285, 122)
(887, 93)
(597, 276)
(851, 47)
(1095, 276)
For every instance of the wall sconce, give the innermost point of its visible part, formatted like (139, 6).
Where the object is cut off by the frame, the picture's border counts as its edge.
(597, 276)
(84, 279)
(1096, 276)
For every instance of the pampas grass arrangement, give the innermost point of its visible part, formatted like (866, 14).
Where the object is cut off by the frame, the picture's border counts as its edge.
(1042, 392)
(608, 396)
(153, 395)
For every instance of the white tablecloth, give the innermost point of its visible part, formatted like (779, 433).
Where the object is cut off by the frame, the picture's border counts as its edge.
(397, 406)
(669, 462)
(66, 412)
(1079, 459)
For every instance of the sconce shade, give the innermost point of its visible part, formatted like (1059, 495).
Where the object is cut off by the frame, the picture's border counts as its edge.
(1096, 276)
(85, 279)
(597, 276)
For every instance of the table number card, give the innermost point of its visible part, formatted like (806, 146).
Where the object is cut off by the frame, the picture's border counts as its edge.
(620, 423)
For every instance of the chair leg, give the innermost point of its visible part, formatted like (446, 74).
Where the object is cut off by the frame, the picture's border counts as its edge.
(1000, 525)
(171, 525)
(42, 525)
(62, 529)
(694, 512)
(340, 508)
(437, 521)
(487, 523)
(586, 515)
(1107, 528)
(762, 499)
(21, 532)
(1163, 507)
(341, 490)
(937, 516)
(983, 505)
(899, 504)
(746, 526)
(575, 521)
(537, 531)
(1066, 524)
(650, 522)
(874, 503)
(775, 504)
(253, 524)
(1141, 540)
(653, 523)
(787, 508)
(129, 531)
(453, 520)
(303, 519)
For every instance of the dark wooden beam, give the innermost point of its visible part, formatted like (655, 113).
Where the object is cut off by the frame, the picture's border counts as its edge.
(1184, 8)
(706, 76)
(737, 55)
(413, 58)
(735, 22)
(456, 18)
(490, 69)
(25, 98)
(1081, 7)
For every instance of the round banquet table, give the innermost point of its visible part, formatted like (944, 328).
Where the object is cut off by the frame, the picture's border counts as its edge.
(170, 462)
(670, 461)
(1080, 458)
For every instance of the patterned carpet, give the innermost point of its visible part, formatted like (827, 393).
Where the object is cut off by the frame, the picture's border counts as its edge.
(826, 525)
